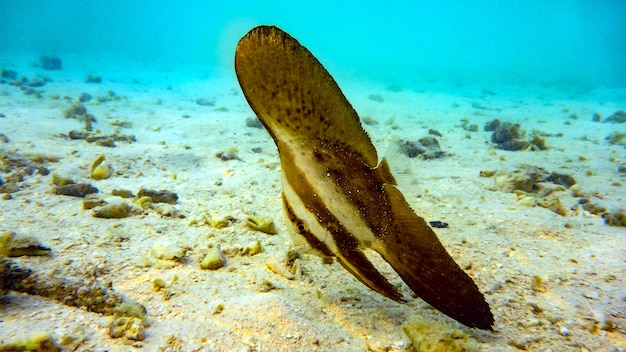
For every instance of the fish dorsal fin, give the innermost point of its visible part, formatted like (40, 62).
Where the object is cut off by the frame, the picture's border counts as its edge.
(296, 98)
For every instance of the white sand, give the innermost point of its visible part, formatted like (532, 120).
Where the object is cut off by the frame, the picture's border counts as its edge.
(580, 259)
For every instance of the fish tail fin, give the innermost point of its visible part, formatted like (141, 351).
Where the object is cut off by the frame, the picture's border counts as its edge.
(412, 248)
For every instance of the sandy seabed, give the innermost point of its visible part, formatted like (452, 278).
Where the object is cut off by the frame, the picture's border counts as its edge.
(554, 282)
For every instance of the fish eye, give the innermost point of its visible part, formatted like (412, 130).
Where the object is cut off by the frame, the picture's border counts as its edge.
(301, 226)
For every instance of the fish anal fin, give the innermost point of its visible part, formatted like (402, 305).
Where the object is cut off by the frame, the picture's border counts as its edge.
(359, 266)
(412, 248)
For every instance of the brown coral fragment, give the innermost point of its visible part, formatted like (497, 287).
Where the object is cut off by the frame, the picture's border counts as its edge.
(617, 218)
(162, 196)
(75, 190)
(69, 291)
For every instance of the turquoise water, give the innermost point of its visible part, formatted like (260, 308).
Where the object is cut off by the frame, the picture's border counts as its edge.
(544, 42)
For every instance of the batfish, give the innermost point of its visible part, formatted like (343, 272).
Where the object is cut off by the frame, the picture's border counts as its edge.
(336, 194)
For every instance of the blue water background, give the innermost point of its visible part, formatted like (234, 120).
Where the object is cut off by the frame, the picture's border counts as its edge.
(555, 42)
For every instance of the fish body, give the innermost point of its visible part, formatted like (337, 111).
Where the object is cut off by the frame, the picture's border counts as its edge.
(338, 197)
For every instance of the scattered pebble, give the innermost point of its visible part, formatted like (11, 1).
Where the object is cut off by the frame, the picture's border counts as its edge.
(129, 327)
(509, 136)
(40, 342)
(254, 122)
(262, 224)
(99, 169)
(376, 97)
(228, 155)
(84, 97)
(617, 117)
(537, 284)
(370, 121)
(168, 250)
(427, 148)
(93, 79)
(214, 259)
(75, 111)
(617, 218)
(117, 208)
(205, 102)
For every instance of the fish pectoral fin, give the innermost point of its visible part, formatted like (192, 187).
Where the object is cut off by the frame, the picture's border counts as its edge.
(355, 261)
(412, 248)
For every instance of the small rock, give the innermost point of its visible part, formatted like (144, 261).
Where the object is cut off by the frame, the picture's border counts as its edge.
(617, 117)
(225, 156)
(262, 224)
(596, 117)
(434, 132)
(168, 250)
(74, 111)
(254, 248)
(117, 209)
(41, 342)
(129, 327)
(560, 179)
(616, 138)
(254, 122)
(213, 260)
(124, 193)
(427, 148)
(591, 295)
(537, 284)
(93, 79)
(617, 218)
(91, 201)
(8, 74)
(370, 121)
(84, 97)
(376, 97)
(205, 102)
(493, 125)
(99, 169)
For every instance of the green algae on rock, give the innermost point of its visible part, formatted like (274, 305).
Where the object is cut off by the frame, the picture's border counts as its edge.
(116, 208)
(38, 342)
(129, 327)
(168, 250)
(219, 221)
(99, 169)
(214, 259)
(262, 224)
(91, 201)
(430, 336)
(13, 245)
(61, 181)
